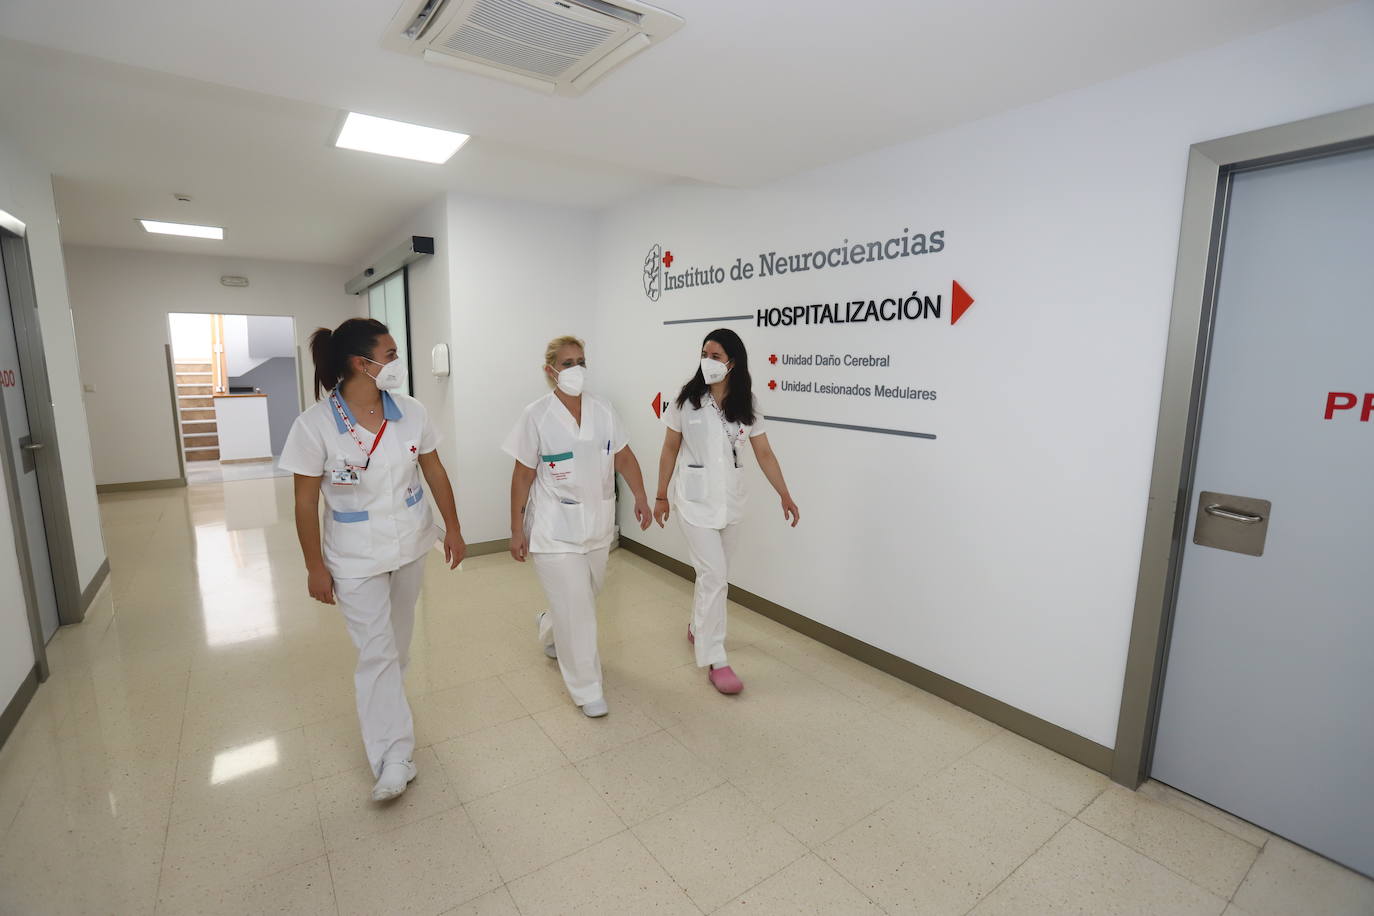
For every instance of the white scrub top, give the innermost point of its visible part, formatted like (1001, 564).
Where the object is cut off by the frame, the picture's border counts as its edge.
(708, 482)
(572, 503)
(377, 519)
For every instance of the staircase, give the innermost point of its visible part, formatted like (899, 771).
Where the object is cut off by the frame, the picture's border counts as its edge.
(199, 434)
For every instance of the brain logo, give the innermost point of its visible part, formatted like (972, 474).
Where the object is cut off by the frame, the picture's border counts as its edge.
(653, 273)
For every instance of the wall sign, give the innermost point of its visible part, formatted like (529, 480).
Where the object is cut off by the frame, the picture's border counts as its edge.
(658, 261)
(848, 372)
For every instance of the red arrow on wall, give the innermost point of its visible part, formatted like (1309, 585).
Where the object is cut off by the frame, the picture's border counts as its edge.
(657, 405)
(961, 303)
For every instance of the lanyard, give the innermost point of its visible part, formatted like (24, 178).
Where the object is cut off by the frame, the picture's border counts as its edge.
(731, 437)
(343, 416)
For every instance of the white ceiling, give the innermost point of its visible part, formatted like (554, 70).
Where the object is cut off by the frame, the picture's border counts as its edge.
(236, 102)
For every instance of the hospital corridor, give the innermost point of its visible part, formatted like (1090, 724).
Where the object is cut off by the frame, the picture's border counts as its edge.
(210, 764)
(633, 457)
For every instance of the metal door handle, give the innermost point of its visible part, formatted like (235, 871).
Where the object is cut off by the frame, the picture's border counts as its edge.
(33, 446)
(1244, 518)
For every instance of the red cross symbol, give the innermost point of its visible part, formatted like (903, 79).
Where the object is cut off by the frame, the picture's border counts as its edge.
(772, 386)
(551, 464)
(413, 449)
(773, 359)
(667, 259)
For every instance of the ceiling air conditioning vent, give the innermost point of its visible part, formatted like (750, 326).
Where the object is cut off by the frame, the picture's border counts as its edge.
(553, 46)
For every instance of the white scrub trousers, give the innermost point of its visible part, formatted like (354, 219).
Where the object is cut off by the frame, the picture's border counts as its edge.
(380, 613)
(572, 581)
(710, 549)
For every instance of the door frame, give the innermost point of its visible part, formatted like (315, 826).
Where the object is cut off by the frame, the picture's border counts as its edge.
(1211, 166)
(219, 335)
(52, 487)
(13, 230)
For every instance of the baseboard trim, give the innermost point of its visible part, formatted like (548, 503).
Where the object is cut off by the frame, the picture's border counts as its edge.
(1058, 739)
(483, 548)
(17, 704)
(93, 588)
(169, 483)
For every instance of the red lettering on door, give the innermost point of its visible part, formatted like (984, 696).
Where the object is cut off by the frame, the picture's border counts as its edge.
(1332, 406)
(1345, 400)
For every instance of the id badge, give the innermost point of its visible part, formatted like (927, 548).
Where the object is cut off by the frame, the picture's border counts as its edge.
(343, 477)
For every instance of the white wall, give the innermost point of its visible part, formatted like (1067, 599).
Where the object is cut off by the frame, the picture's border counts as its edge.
(237, 360)
(190, 337)
(26, 192)
(121, 300)
(269, 338)
(521, 275)
(1004, 554)
(242, 427)
(504, 279)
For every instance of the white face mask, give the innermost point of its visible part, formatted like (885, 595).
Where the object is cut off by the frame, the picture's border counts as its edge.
(572, 380)
(391, 376)
(713, 370)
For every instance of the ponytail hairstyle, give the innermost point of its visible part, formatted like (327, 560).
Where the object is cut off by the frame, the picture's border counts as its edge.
(330, 350)
(739, 399)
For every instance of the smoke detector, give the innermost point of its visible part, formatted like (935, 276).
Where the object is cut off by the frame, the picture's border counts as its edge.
(557, 47)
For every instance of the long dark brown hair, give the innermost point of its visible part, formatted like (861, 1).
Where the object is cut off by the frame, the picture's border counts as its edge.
(330, 350)
(739, 399)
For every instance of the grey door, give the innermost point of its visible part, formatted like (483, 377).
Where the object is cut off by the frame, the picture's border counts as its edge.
(25, 454)
(1267, 692)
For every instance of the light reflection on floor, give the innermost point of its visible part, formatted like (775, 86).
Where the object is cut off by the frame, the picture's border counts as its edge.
(196, 751)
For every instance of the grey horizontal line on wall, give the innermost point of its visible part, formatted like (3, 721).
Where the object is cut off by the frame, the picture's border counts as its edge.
(863, 429)
(700, 320)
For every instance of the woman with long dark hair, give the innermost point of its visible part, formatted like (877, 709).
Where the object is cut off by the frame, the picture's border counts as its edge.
(365, 447)
(709, 423)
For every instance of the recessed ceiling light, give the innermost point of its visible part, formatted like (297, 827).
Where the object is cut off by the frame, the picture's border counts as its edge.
(195, 232)
(397, 138)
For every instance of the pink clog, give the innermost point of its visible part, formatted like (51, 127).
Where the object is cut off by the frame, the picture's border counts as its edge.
(725, 680)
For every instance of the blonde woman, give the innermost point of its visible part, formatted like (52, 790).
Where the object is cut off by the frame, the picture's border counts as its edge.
(567, 448)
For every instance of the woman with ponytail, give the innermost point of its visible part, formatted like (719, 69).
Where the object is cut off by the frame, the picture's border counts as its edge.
(365, 447)
(709, 423)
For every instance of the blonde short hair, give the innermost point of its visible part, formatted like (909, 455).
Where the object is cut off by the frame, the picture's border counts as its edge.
(558, 343)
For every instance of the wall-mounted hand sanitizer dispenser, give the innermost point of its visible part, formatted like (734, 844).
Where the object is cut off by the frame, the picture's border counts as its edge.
(439, 361)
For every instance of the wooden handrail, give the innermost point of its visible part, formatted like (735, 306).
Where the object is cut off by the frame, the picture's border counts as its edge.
(217, 362)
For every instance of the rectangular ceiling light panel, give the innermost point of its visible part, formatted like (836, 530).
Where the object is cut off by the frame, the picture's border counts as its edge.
(397, 138)
(186, 229)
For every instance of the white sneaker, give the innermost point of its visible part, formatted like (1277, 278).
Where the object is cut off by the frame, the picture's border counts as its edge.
(595, 709)
(396, 775)
(550, 649)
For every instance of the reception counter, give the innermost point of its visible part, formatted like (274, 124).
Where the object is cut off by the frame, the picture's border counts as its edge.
(244, 432)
